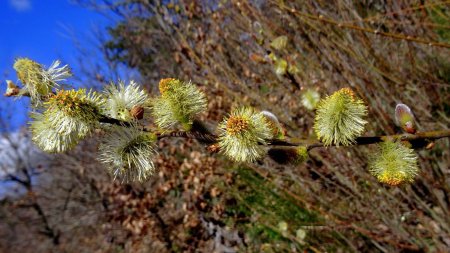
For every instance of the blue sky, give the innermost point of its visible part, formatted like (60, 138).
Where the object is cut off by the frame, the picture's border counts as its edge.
(43, 30)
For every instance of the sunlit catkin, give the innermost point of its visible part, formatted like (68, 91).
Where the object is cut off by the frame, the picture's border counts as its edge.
(68, 116)
(38, 82)
(242, 134)
(128, 153)
(394, 163)
(339, 118)
(179, 103)
(121, 100)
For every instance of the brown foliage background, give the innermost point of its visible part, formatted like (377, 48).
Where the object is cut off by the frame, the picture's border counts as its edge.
(387, 51)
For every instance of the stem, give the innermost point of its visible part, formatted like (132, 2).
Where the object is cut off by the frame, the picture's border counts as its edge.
(420, 136)
(106, 119)
(426, 137)
(204, 135)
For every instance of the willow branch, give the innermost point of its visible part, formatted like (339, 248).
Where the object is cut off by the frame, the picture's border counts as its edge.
(418, 138)
(204, 135)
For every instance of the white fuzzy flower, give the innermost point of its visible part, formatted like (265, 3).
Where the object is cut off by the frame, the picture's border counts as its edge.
(55, 73)
(48, 138)
(242, 134)
(339, 118)
(121, 99)
(394, 163)
(128, 153)
(68, 117)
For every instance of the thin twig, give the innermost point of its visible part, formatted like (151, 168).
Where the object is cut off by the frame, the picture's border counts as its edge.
(202, 137)
(365, 140)
(347, 25)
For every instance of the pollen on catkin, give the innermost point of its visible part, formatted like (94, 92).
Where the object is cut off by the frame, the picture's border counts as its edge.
(394, 163)
(68, 116)
(47, 138)
(179, 103)
(242, 134)
(339, 118)
(121, 100)
(167, 85)
(128, 154)
(11, 89)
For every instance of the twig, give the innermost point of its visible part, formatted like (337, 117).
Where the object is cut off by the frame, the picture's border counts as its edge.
(203, 134)
(202, 137)
(425, 137)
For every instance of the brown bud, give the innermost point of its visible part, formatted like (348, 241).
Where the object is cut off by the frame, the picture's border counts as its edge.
(12, 89)
(409, 127)
(12, 92)
(137, 112)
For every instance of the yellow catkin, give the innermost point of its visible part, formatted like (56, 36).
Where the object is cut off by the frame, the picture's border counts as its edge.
(68, 101)
(165, 84)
